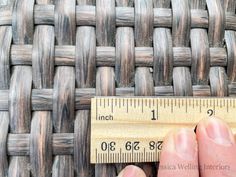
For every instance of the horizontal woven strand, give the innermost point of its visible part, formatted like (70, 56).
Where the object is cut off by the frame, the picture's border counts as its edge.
(86, 16)
(106, 56)
(19, 144)
(42, 99)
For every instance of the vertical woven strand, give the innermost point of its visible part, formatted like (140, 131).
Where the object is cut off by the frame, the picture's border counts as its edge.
(85, 2)
(143, 23)
(63, 115)
(20, 114)
(200, 50)
(163, 51)
(22, 22)
(229, 5)
(43, 57)
(230, 40)
(200, 66)
(143, 38)
(124, 3)
(85, 78)
(198, 4)
(4, 125)
(64, 85)
(144, 85)
(161, 3)
(180, 34)
(105, 78)
(41, 144)
(105, 22)
(21, 82)
(125, 57)
(216, 23)
(200, 57)
(216, 29)
(125, 61)
(85, 63)
(5, 38)
(163, 57)
(65, 22)
(41, 124)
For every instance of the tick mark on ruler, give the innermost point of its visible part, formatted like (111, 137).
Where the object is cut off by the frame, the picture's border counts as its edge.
(186, 106)
(96, 109)
(214, 107)
(112, 105)
(200, 106)
(171, 103)
(120, 154)
(227, 105)
(96, 155)
(144, 153)
(142, 106)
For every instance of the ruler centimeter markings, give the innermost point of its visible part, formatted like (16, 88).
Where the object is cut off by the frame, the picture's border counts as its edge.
(131, 129)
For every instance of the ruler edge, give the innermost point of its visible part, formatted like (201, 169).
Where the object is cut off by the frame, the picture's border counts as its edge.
(94, 113)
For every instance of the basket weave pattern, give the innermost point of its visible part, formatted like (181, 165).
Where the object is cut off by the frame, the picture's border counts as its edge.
(56, 55)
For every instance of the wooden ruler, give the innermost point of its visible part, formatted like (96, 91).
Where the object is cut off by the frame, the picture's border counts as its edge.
(132, 129)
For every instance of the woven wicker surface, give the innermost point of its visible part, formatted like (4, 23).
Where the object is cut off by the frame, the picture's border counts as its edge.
(55, 56)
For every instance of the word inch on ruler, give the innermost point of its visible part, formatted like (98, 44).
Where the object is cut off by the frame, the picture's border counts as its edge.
(125, 130)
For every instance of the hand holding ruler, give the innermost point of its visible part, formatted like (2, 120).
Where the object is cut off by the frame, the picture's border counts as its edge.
(125, 130)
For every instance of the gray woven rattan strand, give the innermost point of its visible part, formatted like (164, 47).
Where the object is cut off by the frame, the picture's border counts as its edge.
(56, 55)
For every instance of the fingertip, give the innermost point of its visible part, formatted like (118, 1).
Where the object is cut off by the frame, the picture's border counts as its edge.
(182, 143)
(216, 142)
(179, 150)
(216, 130)
(132, 171)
